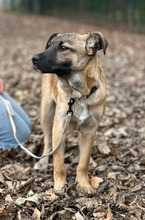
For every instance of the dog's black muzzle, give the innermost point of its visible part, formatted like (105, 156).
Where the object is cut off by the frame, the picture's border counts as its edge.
(46, 62)
(43, 62)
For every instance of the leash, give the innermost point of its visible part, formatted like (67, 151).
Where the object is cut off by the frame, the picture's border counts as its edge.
(11, 115)
(62, 137)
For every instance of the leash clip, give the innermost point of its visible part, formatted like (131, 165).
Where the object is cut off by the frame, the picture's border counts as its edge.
(71, 102)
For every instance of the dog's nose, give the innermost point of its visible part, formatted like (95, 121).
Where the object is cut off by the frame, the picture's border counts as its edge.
(35, 59)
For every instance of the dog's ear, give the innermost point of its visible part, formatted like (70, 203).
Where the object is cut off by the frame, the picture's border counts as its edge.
(50, 40)
(95, 42)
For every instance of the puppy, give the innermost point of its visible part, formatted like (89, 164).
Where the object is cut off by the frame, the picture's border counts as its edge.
(71, 70)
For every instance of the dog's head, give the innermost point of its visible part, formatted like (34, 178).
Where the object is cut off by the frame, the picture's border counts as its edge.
(66, 53)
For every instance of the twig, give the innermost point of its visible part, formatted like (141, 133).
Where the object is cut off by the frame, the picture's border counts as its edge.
(140, 206)
(28, 182)
(133, 201)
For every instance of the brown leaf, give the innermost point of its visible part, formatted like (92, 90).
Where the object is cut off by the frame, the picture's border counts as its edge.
(95, 181)
(26, 170)
(103, 149)
(2, 209)
(99, 214)
(111, 175)
(8, 198)
(36, 214)
(62, 214)
(115, 151)
(78, 216)
(2, 180)
(109, 132)
(137, 187)
(109, 215)
(92, 162)
(89, 203)
(9, 172)
(51, 196)
(142, 163)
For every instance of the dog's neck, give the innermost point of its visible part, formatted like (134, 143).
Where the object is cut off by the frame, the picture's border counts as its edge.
(90, 75)
(79, 84)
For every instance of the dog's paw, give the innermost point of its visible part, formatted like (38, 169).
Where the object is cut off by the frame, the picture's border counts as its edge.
(42, 164)
(39, 166)
(87, 189)
(62, 190)
(59, 187)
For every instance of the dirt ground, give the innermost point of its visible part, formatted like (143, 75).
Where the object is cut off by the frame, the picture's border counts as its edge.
(119, 149)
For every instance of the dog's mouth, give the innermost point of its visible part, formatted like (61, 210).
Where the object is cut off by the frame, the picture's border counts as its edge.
(35, 68)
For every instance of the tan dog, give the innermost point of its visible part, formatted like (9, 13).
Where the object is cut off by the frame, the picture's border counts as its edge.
(78, 75)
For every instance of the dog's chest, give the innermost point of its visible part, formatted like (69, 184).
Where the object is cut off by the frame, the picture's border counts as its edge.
(81, 111)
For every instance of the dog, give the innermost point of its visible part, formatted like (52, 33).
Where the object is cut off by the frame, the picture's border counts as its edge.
(71, 69)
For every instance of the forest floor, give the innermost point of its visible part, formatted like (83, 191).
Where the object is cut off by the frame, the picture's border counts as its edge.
(119, 149)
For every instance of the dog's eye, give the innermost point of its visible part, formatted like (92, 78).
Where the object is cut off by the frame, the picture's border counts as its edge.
(63, 48)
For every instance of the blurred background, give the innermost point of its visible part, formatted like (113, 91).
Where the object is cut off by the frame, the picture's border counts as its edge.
(128, 14)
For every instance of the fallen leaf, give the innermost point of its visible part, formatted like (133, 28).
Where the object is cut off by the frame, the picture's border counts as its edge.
(20, 201)
(95, 181)
(115, 151)
(87, 202)
(62, 214)
(121, 132)
(51, 196)
(79, 216)
(15, 193)
(101, 168)
(26, 170)
(8, 198)
(33, 199)
(109, 215)
(109, 132)
(92, 162)
(2, 209)
(10, 184)
(1, 190)
(9, 172)
(111, 175)
(2, 180)
(142, 162)
(99, 214)
(103, 149)
(137, 187)
(36, 214)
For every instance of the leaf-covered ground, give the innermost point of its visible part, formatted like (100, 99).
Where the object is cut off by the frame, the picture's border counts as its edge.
(119, 151)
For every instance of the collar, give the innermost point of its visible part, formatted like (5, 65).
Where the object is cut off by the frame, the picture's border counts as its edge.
(93, 89)
(72, 101)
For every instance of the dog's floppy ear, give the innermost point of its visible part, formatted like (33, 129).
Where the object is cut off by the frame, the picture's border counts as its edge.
(50, 40)
(95, 42)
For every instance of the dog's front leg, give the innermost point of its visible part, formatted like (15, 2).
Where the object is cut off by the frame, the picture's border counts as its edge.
(58, 157)
(86, 141)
